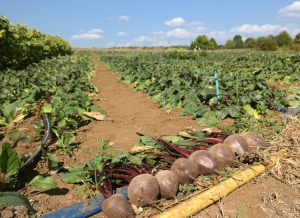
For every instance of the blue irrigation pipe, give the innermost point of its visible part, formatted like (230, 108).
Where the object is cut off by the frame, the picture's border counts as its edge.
(84, 209)
(291, 112)
(217, 86)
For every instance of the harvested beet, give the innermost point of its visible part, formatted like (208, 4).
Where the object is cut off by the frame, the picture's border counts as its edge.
(143, 190)
(185, 169)
(254, 140)
(205, 162)
(117, 206)
(236, 144)
(224, 156)
(168, 183)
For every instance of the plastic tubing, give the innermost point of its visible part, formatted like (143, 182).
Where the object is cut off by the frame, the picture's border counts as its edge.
(83, 209)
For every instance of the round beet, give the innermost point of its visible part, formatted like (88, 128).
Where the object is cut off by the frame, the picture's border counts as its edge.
(185, 169)
(117, 206)
(143, 190)
(224, 156)
(254, 140)
(236, 144)
(168, 183)
(205, 162)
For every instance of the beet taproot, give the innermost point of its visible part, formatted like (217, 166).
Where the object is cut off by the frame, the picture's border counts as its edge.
(168, 183)
(254, 140)
(224, 156)
(237, 144)
(143, 190)
(185, 169)
(117, 206)
(205, 162)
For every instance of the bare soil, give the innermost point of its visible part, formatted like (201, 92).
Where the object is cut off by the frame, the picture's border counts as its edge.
(130, 112)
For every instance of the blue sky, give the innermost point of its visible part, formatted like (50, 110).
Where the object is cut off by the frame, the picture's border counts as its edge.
(98, 23)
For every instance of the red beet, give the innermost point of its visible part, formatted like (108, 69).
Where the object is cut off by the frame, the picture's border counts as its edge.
(168, 183)
(185, 169)
(236, 144)
(117, 206)
(205, 162)
(143, 190)
(254, 140)
(224, 156)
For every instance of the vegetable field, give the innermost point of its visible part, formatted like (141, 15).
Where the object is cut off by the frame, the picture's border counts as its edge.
(187, 80)
(157, 102)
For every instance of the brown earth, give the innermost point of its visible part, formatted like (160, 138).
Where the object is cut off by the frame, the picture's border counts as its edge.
(130, 112)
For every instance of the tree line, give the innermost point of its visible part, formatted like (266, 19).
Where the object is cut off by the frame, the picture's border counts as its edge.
(264, 43)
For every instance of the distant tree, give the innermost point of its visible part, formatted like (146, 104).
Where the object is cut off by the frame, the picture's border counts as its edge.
(201, 42)
(283, 39)
(266, 44)
(250, 43)
(213, 43)
(297, 39)
(237, 41)
(229, 44)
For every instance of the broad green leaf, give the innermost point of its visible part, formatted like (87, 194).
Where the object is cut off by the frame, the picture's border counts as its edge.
(135, 159)
(43, 183)
(81, 189)
(9, 160)
(14, 135)
(75, 177)
(223, 113)
(8, 199)
(47, 108)
(52, 161)
(233, 111)
(118, 157)
(173, 138)
(37, 127)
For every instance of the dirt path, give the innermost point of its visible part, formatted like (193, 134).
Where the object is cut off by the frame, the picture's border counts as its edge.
(129, 112)
(132, 112)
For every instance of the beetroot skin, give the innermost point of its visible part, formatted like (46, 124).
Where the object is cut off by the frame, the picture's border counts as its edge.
(143, 190)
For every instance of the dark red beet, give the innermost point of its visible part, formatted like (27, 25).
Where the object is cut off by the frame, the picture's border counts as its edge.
(254, 140)
(185, 169)
(205, 162)
(168, 183)
(117, 206)
(143, 190)
(224, 156)
(236, 144)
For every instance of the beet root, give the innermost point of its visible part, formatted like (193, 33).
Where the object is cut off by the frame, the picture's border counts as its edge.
(254, 140)
(185, 169)
(224, 156)
(205, 162)
(236, 144)
(143, 190)
(168, 183)
(117, 206)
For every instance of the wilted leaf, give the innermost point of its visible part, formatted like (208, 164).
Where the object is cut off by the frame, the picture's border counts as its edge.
(95, 115)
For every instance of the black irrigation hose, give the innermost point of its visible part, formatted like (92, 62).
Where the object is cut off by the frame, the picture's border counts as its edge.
(45, 138)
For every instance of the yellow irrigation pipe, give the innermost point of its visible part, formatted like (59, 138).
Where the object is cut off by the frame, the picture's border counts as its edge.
(202, 200)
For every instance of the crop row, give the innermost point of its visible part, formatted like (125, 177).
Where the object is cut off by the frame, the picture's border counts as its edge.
(58, 87)
(186, 80)
(21, 46)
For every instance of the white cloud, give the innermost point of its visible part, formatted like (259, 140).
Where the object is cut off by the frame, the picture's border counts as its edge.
(92, 34)
(120, 34)
(196, 23)
(178, 21)
(96, 31)
(180, 33)
(290, 11)
(248, 28)
(124, 17)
